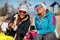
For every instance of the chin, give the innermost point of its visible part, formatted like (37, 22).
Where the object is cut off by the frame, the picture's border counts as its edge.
(39, 14)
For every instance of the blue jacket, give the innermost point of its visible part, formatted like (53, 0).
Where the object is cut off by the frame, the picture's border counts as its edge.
(46, 24)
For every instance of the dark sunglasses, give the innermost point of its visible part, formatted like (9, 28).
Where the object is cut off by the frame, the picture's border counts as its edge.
(21, 11)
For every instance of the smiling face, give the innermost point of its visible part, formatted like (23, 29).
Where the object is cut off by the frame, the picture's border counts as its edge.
(40, 10)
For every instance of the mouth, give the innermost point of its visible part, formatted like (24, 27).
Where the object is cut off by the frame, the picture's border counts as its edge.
(39, 13)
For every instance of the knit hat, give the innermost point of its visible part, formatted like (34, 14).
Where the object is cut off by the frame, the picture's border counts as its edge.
(38, 6)
(43, 4)
(24, 7)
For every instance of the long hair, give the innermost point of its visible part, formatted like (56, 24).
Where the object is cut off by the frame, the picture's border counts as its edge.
(20, 19)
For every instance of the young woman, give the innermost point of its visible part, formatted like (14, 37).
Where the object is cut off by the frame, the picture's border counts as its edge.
(45, 23)
(19, 23)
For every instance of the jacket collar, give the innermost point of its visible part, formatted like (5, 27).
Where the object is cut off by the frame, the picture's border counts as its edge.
(24, 20)
(16, 16)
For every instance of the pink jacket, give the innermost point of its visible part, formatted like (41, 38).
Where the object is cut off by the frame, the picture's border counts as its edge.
(33, 34)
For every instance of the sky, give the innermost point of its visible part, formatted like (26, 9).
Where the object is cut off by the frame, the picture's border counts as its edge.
(15, 3)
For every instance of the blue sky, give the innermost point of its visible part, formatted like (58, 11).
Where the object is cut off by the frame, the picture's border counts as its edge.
(33, 2)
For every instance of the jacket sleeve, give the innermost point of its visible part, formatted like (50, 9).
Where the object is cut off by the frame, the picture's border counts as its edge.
(37, 26)
(52, 23)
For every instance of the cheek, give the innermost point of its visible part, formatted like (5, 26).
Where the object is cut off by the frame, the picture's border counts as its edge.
(39, 11)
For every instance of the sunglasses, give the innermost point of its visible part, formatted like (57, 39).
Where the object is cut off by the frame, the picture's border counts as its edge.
(22, 12)
(38, 6)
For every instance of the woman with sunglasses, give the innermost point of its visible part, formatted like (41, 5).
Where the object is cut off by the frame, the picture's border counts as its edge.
(45, 22)
(20, 23)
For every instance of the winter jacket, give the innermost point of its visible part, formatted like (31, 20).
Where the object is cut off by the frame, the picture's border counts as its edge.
(31, 35)
(46, 24)
(22, 28)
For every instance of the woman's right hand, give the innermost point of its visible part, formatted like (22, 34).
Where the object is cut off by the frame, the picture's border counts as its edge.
(13, 26)
(10, 24)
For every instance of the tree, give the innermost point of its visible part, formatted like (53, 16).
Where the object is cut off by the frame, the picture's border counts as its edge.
(4, 10)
